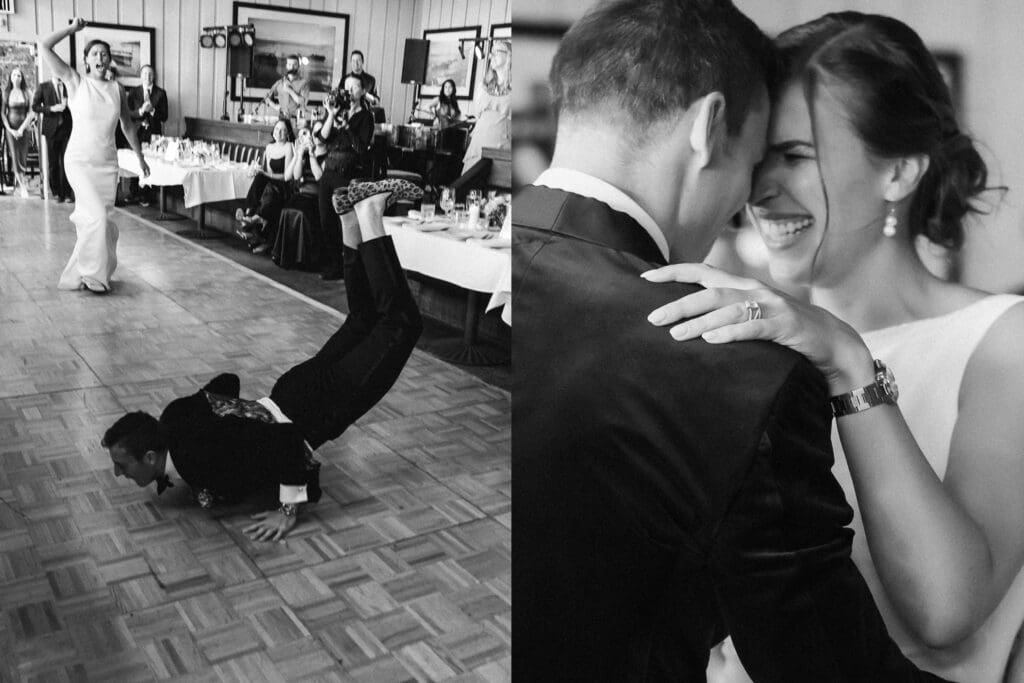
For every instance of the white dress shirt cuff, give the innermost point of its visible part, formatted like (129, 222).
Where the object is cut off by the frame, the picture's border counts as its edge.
(293, 494)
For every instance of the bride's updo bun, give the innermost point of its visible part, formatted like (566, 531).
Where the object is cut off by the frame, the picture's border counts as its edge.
(898, 104)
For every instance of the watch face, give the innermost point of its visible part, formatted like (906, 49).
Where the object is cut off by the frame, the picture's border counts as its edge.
(886, 381)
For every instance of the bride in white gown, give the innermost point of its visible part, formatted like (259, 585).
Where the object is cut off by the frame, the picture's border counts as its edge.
(91, 159)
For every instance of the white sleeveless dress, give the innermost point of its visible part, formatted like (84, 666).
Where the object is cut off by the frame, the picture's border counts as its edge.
(91, 165)
(928, 358)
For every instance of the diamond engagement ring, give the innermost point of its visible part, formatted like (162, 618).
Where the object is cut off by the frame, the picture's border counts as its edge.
(753, 310)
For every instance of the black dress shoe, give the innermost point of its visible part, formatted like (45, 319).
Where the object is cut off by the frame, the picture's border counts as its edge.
(333, 274)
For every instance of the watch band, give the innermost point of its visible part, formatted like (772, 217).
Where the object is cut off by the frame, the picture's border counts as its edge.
(289, 509)
(882, 391)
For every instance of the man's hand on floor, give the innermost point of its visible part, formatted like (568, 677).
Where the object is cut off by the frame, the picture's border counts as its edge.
(270, 526)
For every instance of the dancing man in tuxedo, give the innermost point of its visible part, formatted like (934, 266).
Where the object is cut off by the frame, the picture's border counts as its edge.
(51, 102)
(147, 103)
(666, 493)
(227, 448)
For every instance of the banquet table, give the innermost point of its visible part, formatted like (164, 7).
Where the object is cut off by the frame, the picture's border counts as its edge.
(479, 265)
(215, 182)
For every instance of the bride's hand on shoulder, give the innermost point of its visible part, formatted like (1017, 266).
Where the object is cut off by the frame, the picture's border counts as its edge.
(732, 308)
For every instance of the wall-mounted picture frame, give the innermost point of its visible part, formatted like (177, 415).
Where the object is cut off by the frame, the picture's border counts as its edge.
(131, 48)
(501, 31)
(444, 61)
(320, 38)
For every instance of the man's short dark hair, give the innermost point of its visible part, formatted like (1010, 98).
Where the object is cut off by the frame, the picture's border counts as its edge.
(357, 52)
(295, 57)
(653, 58)
(137, 433)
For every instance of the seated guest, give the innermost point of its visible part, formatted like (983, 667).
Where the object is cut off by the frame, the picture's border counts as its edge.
(290, 92)
(347, 135)
(269, 189)
(148, 106)
(355, 62)
(304, 175)
(228, 448)
(51, 102)
(445, 106)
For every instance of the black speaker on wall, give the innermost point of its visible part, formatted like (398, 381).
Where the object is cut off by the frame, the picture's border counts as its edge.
(240, 60)
(414, 63)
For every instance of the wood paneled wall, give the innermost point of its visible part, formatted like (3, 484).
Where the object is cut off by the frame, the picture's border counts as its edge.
(195, 78)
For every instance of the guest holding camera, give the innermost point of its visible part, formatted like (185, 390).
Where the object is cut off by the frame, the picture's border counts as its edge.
(51, 102)
(347, 133)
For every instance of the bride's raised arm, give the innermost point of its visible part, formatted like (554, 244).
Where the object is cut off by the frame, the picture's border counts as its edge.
(58, 66)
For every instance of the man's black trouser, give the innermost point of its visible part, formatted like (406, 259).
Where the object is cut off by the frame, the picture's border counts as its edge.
(361, 361)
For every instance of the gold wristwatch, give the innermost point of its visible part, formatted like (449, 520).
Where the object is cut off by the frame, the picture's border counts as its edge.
(882, 391)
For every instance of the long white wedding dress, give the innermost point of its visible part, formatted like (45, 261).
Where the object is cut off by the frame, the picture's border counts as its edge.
(91, 165)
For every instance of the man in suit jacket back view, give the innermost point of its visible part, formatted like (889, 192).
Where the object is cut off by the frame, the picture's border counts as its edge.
(667, 494)
(147, 104)
(51, 101)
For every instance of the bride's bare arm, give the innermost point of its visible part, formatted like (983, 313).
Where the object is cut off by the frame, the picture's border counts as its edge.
(53, 61)
(946, 550)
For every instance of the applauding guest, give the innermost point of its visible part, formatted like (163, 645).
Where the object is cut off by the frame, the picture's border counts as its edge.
(148, 105)
(268, 191)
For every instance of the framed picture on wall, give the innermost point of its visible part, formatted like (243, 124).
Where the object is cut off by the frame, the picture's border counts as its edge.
(131, 48)
(501, 30)
(444, 61)
(320, 39)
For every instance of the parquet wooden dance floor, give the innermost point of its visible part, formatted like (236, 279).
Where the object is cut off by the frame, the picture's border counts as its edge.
(400, 573)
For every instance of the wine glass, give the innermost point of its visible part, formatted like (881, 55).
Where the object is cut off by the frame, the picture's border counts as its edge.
(447, 200)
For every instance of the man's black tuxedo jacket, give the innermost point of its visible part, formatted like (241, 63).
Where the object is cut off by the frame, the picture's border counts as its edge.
(158, 98)
(667, 493)
(45, 97)
(231, 456)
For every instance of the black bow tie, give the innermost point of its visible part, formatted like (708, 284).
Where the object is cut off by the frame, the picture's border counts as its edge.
(163, 482)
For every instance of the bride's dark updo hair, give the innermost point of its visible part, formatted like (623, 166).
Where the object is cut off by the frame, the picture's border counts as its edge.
(898, 104)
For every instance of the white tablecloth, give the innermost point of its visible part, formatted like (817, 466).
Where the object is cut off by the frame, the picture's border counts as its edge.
(210, 184)
(463, 263)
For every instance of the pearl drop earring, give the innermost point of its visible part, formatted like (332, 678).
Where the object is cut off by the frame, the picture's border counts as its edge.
(889, 229)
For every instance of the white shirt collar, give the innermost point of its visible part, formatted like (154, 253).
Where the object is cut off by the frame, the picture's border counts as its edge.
(586, 185)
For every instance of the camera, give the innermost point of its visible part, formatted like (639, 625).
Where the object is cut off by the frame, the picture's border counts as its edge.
(339, 98)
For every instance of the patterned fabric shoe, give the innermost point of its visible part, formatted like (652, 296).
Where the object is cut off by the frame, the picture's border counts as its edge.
(342, 205)
(396, 187)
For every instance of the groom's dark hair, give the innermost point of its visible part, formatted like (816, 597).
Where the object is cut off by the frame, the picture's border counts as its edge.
(137, 433)
(653, 58)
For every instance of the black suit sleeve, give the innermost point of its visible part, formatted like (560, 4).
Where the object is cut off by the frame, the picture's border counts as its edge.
(160, 104)
(226, 384)
(792, 599)
(37, 101)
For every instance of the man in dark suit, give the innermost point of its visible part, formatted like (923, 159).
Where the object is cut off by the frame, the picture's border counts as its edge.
(227, 448)
(667, 494)
(51, 101)
(147, 103)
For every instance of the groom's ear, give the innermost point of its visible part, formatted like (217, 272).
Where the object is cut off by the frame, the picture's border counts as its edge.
(708, 126)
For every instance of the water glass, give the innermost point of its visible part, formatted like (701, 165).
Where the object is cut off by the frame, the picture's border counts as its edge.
(427, 211)
(447, 200)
